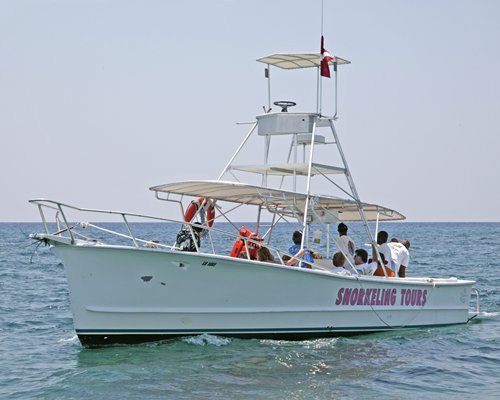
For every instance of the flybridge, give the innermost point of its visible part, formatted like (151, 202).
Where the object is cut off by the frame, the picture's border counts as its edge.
(299, 61)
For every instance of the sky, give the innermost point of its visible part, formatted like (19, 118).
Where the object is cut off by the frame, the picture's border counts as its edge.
(100, 100)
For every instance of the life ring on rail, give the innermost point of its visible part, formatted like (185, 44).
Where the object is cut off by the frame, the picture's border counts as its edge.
(239, 245)
(208, 208)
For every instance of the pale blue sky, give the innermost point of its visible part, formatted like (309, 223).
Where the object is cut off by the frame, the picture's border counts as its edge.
(99, 99)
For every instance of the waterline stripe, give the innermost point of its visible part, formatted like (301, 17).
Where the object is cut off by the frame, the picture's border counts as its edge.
(261, 330)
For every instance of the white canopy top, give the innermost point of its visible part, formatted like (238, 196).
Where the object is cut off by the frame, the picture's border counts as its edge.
(279, 201)
(295, 61)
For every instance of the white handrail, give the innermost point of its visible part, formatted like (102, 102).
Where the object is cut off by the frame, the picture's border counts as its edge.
(59, 207)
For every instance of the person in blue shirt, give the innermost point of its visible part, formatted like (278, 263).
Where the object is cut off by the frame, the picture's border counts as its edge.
(295, 250)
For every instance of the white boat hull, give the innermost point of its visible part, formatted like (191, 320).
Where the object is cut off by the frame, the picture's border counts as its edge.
(126, 295)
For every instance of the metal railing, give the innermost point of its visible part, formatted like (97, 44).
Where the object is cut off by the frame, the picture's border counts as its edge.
(63, 226)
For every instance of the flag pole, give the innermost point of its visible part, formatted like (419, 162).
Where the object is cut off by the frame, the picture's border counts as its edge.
(268, 76)
(320, 83)
(320, 90)
(317, 90)
(335, 70)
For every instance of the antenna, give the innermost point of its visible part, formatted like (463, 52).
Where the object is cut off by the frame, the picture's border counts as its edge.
(321, 72)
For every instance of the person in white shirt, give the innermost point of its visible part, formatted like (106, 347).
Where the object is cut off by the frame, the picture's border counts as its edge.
(345, 244)
(383, 247)
(338, 261)
(361, 263)
(400, 256)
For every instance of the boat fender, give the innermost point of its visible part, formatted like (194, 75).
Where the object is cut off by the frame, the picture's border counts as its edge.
(207, 207)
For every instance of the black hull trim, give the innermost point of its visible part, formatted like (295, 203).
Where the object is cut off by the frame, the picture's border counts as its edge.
(98, 340)
(104, 340)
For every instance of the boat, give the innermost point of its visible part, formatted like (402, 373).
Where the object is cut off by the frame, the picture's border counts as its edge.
(129, 289)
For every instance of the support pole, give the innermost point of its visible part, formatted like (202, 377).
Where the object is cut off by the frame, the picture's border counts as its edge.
(318, 81)
(350, 181)
(268, 76)
(335, 70)
(237, 151)
(308, 190)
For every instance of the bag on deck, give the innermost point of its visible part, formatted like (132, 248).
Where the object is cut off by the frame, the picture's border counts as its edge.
(184, 241)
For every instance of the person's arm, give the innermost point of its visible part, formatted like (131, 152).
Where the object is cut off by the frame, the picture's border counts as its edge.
(374, 254)
(292, 262)
(296, 258)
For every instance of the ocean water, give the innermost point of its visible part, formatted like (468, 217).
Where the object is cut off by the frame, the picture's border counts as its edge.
(41, 357)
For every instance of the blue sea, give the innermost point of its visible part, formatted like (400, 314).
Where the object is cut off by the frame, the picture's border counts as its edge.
(41, 357)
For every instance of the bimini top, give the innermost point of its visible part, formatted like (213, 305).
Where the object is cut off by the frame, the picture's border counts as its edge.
(280, 201)
(295, 61)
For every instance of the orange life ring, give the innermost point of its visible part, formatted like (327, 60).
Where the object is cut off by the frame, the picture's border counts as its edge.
(195, 205)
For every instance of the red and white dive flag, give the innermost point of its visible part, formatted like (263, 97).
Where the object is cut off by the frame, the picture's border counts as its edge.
(325, 59)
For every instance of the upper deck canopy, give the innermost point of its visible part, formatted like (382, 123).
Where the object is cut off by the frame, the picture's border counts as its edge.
(296, 61)
(280, 201)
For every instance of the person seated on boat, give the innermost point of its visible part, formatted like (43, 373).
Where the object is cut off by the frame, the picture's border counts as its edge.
(379, 271)
(264, 255)
(299, 253)
(243, 255)
(361, 263)
(185, 242)
(400, 256)
(285, 259)
(338, 261)
(345, 244)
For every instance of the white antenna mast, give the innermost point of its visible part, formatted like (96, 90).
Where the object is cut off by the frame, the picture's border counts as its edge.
(320, 84)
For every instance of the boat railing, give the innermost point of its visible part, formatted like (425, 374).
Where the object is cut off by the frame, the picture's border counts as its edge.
(58, 207)
(64, 227)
